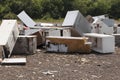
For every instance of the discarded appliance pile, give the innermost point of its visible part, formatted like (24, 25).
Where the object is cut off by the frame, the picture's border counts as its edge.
(60, 38)
(76, 34)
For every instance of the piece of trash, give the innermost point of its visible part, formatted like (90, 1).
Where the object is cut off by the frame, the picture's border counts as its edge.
(67, 64)
(53, 75)
(49, 72)
(95, 76)
(40, 63)
(34, 72)
(75, 70)
(20, 76)
(38, 50)
(39, 77)
(0, 60)
(14, 61)
(84, 60)
(8, 66)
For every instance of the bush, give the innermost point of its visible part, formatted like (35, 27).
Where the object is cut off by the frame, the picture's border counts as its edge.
(58, 8)
(10, 15)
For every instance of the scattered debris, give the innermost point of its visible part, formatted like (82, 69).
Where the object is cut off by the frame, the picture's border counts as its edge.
(38, 50)
(95, 76)
(84, 60)
(13, 61)
(40, 63)
(76, 34)
(20, 76)
(49, 72)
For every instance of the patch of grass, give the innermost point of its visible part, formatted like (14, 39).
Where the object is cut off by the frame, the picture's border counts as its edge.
(117, 21)
(49, 20)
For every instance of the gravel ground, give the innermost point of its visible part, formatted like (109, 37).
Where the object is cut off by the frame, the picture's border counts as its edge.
(64, 66)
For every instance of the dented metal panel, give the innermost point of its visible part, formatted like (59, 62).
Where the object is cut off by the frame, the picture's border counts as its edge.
(70, 18)
(26, 19)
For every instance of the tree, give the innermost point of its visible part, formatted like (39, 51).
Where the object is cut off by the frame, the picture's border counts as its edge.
(114, 11)
(67, 6)
(58, 8)
(52, 8)
(83, 6)
(36, 9)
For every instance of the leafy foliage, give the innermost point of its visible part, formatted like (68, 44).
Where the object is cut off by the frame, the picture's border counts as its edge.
(44, 9)
(115, 9)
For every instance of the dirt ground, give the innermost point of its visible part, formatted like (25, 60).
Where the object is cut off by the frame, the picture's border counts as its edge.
(64, 66)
